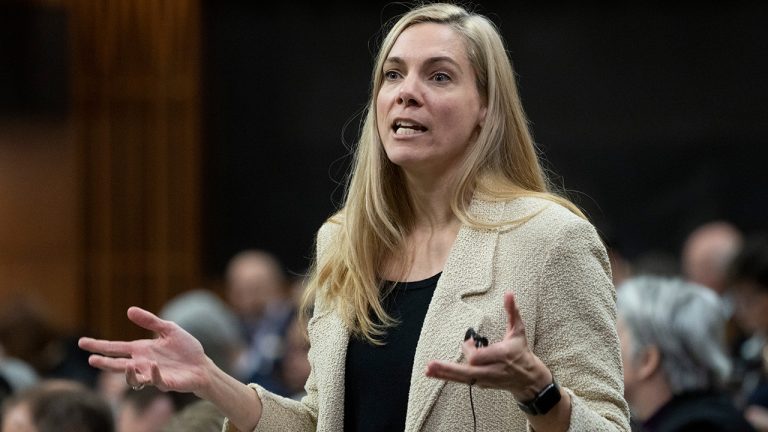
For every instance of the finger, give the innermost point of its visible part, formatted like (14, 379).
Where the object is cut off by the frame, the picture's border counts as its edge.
(515, 324)
(468, 348)
(147, 320)
(456, 372)
(106, 347)
(492, 354)
(132, 377)
(108, 363)
(157, 378)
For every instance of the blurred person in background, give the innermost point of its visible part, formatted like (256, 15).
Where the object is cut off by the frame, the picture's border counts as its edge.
(144, 410)
(201, 416)
(112, 387)
(675, 365)
(293, 369)
(706, 256)
(258, 291)
(748, 277)
(708, 251)
(15, 376)
(57, 406)
(27, 334)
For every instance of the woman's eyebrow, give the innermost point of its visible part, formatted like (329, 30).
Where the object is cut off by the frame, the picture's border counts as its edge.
(432, 60)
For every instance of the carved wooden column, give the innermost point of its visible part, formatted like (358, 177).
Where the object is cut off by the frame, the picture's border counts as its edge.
(136, 95)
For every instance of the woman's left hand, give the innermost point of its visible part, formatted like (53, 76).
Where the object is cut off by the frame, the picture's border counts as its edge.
(507, 364)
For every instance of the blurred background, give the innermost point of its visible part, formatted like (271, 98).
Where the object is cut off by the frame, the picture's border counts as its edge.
(144, 143)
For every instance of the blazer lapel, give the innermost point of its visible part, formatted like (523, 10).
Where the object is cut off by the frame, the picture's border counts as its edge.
(468, 272)
(331, 336)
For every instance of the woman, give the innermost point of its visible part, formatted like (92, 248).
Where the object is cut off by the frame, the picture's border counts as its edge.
(449, 222)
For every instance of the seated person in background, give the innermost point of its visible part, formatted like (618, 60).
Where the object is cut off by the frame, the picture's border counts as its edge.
(57, 406)
(707, 254)
(293, 370)
(15, 376)
(748, 277)
(258, 292)
(201, 416)
(27, 334)
(708, 251)
(146, 410)
(674, 360)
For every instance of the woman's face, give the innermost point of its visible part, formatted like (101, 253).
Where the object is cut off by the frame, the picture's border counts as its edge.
(428, 108)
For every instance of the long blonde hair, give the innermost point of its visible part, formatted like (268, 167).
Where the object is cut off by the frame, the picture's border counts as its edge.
(378, 210)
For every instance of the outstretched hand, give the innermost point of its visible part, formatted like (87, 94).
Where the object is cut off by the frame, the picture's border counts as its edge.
(174, 360)
(507, 364)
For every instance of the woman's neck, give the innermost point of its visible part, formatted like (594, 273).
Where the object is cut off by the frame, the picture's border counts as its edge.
(430, 238)
(432, 203)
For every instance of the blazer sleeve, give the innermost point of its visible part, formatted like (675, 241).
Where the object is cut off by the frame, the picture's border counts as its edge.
(576, 328)
(280, 414)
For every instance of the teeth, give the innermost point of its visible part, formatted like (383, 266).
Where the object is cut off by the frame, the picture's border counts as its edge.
(403, 127)
(406, 131)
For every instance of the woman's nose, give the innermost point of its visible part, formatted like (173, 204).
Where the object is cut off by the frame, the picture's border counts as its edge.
(410, 94)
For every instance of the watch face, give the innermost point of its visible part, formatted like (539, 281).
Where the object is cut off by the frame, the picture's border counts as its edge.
(548, 398)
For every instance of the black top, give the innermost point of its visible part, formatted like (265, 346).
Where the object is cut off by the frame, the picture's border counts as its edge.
(700, 411)
(378, 377)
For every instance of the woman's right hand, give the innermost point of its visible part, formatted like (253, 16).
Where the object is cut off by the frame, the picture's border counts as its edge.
(174, 360)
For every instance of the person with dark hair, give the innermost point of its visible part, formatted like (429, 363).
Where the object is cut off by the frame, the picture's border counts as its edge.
(147, 410)
(748, 279)
(258, 291)
(454, 290)
(57, 406)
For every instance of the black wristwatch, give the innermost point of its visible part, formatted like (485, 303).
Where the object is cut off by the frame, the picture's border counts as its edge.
(543, 402)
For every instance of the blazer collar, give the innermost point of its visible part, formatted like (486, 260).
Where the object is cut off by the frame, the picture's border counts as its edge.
(468, 272)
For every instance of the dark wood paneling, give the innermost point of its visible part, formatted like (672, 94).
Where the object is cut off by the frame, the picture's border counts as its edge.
(136, 98)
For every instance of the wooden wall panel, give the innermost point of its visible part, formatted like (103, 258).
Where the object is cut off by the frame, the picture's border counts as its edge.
(136, 93)
(38, 219)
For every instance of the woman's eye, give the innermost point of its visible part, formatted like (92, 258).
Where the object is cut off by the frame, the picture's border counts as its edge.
(391, 75)
(441, 77)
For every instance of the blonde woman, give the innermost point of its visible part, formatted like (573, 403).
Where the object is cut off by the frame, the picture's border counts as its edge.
(448, 224)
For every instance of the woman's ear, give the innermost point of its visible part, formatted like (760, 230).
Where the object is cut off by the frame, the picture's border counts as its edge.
(481, 119)
(649, 362)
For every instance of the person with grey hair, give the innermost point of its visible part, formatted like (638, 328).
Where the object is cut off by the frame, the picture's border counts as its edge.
(675, 365)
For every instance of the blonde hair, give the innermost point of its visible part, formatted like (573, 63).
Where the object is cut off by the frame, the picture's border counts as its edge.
(378, 211)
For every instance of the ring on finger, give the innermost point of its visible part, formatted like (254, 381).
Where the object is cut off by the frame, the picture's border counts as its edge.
(138, 387)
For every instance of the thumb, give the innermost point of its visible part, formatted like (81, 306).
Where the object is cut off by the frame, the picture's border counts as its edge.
(515, 324)
(147, 320)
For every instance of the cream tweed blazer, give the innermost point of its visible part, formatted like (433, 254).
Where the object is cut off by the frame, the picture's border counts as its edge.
(557, 267)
